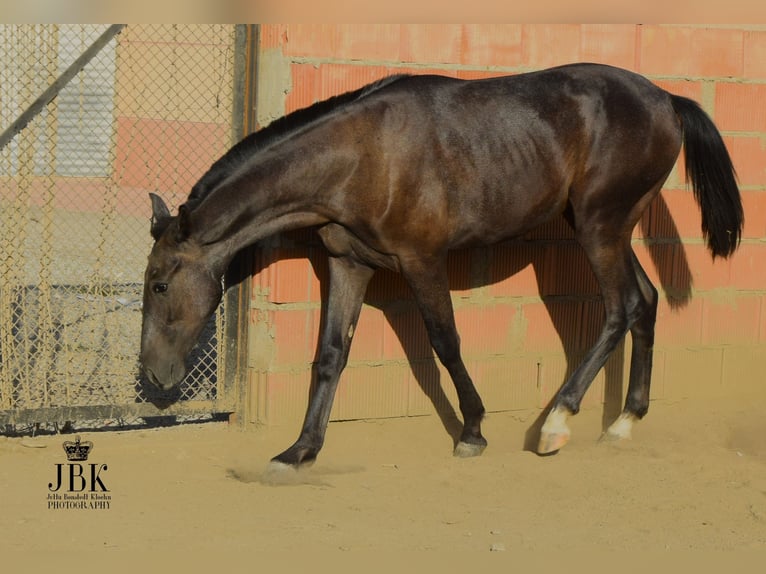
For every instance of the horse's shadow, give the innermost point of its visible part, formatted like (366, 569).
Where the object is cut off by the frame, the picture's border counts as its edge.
(389, 292)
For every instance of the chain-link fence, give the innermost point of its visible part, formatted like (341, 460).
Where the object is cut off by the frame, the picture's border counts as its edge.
(150, 111)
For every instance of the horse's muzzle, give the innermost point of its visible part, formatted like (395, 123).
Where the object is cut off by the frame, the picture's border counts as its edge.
(166, 381)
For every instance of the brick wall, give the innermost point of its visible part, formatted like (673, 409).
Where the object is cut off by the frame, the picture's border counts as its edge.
(528, 310)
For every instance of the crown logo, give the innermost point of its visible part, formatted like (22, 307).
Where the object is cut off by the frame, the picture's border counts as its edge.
(77, 450)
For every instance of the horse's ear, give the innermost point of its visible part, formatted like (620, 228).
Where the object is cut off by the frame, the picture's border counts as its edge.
(160, 216)
(184, 223)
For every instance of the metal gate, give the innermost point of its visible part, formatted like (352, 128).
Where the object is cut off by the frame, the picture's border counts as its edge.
(136, 109)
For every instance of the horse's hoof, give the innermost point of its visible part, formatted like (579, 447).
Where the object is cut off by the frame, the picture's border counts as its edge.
(552, 442)
(555, 432)
(278, 467)
(608, 437)
(296, 457)
(466, 449)
(621, 429)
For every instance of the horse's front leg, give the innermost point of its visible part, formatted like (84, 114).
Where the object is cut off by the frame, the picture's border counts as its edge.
(428, 279)
(348, 283)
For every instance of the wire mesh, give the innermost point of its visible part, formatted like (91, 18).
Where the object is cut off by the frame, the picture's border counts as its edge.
(150, 112)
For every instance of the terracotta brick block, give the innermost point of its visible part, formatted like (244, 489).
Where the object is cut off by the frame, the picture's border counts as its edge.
(568, 272)
(552, 326)
(258, 289)
(492, 45)
(731, 321)
(613, 44)
(367, 342)
(377, 42)
(755, 54)
(717, 52)
(679, 285)
(426, 70)
(485, 330)
(475, 74)
(514, 269)
(748, 271)
(739, 107)
(678, 327)
(748, 154)
(673, 215)
(657, 262)
(311, 83)
(762, 321)
(166, 156)
(295, 336)
(386, 286)
(460, 272)
(431, 43)
(430, 390)
(273, 35)
(312, 40)
(371, 392)
(284, 398)
(540, 334)
(754, 206)
(707, 52)
(337, 79)
(657, 42)
(288, 279)
(506, 383)
(405, 335)
(554, 369)
(305, 82)
(687, 88)
(706, 273)
(370, 42)
(546, 45)
(556, 228)
(318, 274)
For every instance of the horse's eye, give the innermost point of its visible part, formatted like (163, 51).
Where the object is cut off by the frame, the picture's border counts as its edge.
(160, 287)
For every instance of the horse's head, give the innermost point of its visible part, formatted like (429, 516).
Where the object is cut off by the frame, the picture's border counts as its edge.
(181, 292)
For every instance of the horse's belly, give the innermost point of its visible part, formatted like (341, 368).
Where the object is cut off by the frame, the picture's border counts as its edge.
(495, 221)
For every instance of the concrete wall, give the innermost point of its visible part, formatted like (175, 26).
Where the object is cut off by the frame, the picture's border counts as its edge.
(527, 311)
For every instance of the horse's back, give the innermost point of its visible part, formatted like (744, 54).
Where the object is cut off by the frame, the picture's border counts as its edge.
(507, 152)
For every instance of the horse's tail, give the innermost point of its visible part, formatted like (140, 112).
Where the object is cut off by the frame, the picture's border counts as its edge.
(710, 170)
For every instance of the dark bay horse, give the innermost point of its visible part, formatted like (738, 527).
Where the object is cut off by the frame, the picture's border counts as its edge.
(397, 173)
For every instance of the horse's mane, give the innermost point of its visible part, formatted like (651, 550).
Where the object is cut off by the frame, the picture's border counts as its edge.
(276, 130)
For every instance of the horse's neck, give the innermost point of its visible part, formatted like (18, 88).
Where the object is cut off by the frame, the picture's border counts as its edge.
(276, 193)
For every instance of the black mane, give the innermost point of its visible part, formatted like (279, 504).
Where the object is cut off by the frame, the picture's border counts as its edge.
(276, 130)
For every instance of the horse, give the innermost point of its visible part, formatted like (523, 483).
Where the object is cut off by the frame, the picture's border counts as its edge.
(397, 173)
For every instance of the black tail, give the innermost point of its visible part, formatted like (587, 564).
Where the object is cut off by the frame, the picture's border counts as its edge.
(709, 168)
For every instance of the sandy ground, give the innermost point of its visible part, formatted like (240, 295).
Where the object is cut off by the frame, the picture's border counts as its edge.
(692, 477)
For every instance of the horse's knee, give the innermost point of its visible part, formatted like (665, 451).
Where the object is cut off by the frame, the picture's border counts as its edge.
(331, 362)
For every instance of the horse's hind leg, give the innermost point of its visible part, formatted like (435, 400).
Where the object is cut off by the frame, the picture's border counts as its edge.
(348, 283)
(642, 335)
(431, 288)
(630, 303)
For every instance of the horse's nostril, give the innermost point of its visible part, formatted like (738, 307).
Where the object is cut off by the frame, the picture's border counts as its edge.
(152, 377)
